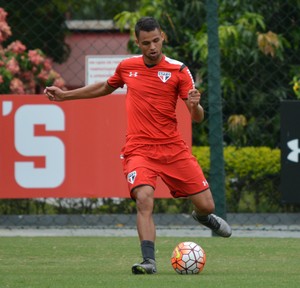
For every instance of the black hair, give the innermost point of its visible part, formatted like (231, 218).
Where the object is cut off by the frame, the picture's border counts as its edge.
(146, 24)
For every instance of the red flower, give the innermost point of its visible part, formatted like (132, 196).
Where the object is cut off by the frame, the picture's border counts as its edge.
(3, 15)
(43, 75)
(35, 57)
(47, 64)
(16, 86)
(23, 71)
(5, 31)
(12, 66)
(16, 47)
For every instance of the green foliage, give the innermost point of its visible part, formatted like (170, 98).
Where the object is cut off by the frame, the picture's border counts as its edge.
(24, 207)
(259, 56)
(252, 177)
(296, 85)
(254, 162)
(173, 17)
(252, 185)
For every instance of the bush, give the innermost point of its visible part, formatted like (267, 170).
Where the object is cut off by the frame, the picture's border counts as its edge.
(252, 182)
(23, 71)
(252, 177)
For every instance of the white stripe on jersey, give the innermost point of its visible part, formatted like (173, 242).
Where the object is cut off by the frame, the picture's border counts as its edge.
(188, 70)
(170, 61)
(173, 61)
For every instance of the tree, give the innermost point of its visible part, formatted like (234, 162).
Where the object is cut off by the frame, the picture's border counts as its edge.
(259, 46)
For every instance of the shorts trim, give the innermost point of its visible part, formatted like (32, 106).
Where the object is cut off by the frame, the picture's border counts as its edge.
(186, 195)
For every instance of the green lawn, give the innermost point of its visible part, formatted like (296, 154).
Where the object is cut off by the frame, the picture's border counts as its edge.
(60, 262)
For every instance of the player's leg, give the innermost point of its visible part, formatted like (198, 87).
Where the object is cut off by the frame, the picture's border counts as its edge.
(141, 183)
(144, 197)
(185, 178)
(203, 213)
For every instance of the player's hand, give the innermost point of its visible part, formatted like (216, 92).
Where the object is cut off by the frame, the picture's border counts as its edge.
(194, 97)
(54, 93)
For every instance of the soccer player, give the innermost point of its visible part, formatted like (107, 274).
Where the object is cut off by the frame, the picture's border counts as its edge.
(154, 147)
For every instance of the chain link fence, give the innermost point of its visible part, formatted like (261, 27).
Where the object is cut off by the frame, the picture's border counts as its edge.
(259, 53)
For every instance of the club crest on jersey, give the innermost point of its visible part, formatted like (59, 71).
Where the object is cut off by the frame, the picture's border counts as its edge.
(131, 177)
(164, 76)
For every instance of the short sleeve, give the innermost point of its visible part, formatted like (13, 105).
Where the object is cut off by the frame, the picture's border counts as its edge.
(115, 80)
(186, 83)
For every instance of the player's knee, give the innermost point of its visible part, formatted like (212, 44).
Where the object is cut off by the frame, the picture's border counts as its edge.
(144, 199)
(205, 207)
(144, 205)
(209, 209)
(204, 203)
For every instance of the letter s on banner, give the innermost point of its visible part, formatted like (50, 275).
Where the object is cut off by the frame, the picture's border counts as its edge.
(50, 147)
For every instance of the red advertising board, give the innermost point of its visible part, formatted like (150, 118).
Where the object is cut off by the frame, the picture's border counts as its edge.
(67, 150)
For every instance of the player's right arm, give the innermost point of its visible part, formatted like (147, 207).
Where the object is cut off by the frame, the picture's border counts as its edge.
(90, 91)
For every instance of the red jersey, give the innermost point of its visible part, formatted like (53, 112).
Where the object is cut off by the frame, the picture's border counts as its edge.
(152, 94)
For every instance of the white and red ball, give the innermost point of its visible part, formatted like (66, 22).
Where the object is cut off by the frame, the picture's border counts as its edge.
(188, 258)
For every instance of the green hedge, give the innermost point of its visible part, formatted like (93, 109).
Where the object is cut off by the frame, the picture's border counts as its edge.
(252, 185)
(252, 177)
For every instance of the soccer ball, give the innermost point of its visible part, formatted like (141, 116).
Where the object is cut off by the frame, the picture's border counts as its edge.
(188, 258)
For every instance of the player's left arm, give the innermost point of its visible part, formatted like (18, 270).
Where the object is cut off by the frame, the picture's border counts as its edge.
(194, 106)
(190, 94)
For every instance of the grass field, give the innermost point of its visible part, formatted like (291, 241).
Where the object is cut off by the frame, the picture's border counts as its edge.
(60, 262)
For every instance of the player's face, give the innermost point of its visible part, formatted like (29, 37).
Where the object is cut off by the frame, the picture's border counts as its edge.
(150, 44)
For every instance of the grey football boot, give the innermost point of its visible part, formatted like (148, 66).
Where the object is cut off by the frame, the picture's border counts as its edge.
(148, 266)
(215, 223)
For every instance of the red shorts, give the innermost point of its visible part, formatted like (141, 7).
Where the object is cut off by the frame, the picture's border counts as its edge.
(173, 163)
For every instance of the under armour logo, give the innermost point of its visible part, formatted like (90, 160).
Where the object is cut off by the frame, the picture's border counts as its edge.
(294, 146)
(205, 183)
(131, 177)
(133, 74)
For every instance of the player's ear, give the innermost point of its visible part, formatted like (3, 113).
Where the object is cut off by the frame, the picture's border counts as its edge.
(137, 42)
(163, 36)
